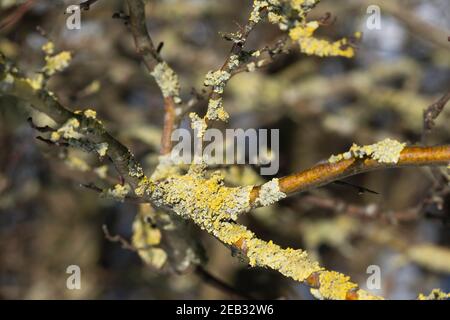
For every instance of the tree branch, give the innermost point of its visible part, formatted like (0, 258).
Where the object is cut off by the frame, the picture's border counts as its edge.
(431, 113)
(152, 58)
(322, 174)
(45, 102)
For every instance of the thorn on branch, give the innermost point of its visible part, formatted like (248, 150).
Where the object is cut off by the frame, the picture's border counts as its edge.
(361, 190)
(159, 48)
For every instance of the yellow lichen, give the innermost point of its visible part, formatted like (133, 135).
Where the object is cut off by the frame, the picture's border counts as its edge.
(68, 130)
(57, 62)
(205, 200)
(119, 192)
(334, 285)
(258, 5)
(217, 80)
(89, 113)
(303, 34)
(291, 15)
(216, 110)
(101, 148)
(435, 294)
(168, 165)
(290, 262)
(214, 207)
(48, 48)
(324, 48)
(198, 125)
(385, 151)
(167, 81)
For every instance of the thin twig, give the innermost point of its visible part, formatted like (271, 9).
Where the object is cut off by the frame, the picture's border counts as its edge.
(17, 14)
(431, 113)
(117, 238)
(371, 211)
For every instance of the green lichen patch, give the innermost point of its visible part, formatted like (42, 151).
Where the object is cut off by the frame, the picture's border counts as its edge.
(334, 285)
(89, 113)
(290, 262)
(36, 82)
(57, 62)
